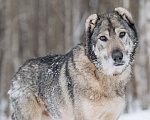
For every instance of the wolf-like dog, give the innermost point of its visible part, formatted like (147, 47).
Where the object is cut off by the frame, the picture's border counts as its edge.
(88, 83)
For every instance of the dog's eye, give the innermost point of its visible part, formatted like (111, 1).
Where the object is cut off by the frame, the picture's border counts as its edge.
(103, 38)
(122, 34)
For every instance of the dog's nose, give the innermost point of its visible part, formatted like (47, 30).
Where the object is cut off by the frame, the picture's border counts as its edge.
(117, 56)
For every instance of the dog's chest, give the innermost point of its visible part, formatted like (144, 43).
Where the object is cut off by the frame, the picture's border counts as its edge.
(103, 109)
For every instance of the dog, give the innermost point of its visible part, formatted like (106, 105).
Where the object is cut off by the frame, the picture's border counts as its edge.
(88, 83)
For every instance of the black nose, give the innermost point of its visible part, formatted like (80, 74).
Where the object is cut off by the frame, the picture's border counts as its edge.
(117, 56)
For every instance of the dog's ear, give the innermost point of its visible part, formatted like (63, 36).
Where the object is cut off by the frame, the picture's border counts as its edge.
(126, 15)
(90, 23)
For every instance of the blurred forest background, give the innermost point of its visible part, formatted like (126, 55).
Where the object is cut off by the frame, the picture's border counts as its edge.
(32, 28)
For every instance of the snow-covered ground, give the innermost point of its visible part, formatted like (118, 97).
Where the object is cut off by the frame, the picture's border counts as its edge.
(141, 115)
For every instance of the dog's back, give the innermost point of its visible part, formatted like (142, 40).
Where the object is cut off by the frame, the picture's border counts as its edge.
(44, 85)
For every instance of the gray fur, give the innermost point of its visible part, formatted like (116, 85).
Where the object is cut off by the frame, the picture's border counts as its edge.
(57, 82)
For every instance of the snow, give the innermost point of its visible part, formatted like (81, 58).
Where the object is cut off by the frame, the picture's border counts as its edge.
(141, 115)
(3, 105)
(91, 97)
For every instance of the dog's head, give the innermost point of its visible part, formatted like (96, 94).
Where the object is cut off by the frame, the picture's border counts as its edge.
(111, 41)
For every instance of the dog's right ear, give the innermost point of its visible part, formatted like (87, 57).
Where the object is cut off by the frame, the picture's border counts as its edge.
(90, 23)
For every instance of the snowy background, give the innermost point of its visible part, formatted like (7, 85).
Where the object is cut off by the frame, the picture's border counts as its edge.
(33, 28)
(141, 115)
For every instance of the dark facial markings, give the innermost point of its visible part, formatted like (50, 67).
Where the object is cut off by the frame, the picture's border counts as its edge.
(111, 25)
(111, 28)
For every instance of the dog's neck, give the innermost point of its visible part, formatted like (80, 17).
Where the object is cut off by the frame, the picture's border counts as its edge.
(107, 86)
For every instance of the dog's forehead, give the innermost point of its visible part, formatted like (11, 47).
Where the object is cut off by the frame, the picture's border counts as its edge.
(111, 21)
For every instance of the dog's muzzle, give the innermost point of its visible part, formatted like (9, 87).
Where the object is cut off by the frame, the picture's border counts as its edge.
(117, 57)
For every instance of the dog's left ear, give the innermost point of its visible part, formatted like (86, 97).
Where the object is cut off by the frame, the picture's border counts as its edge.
(126, 15)
(90, 23)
